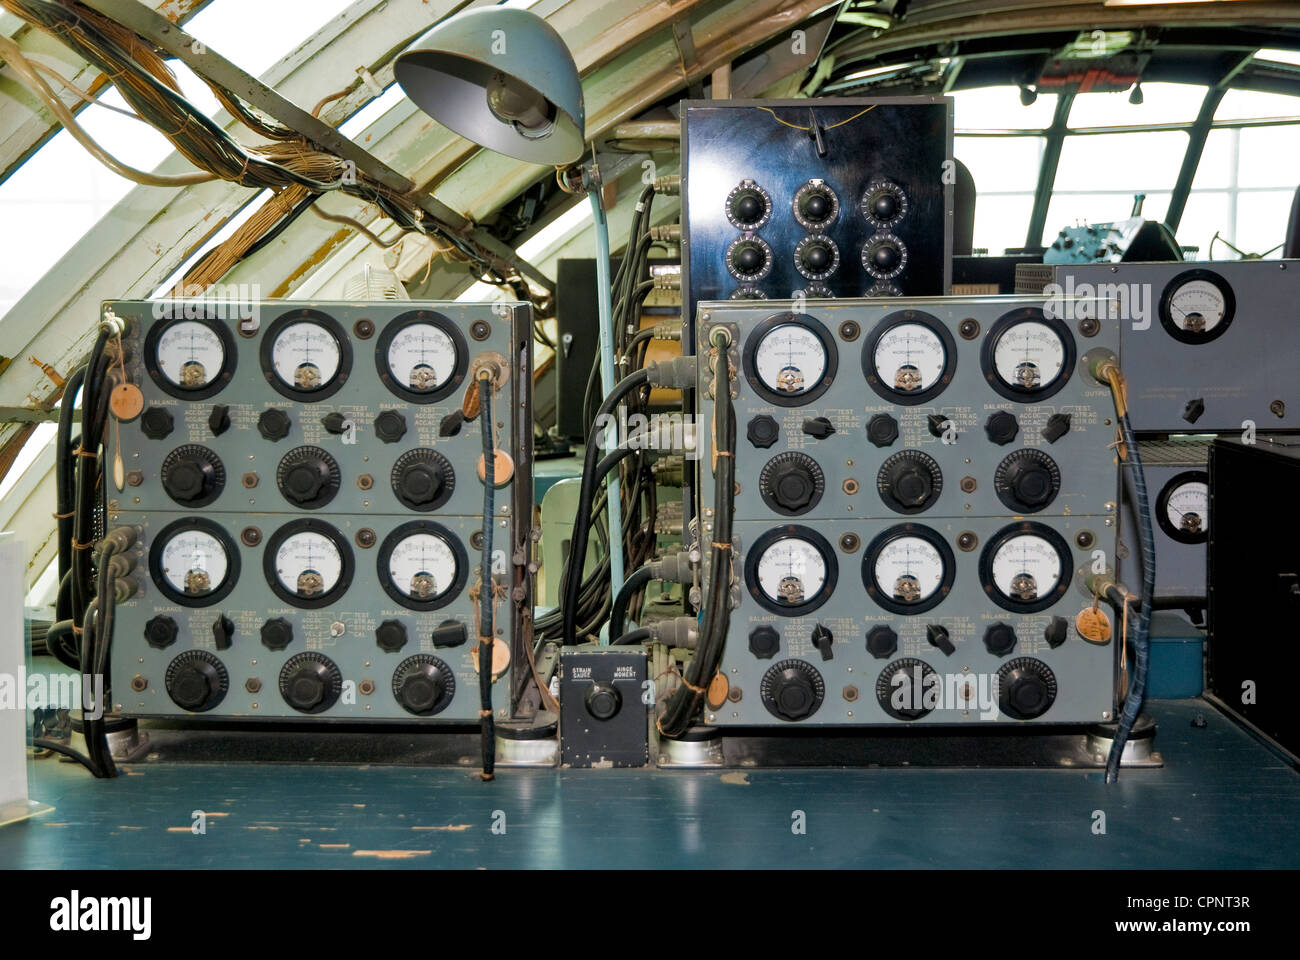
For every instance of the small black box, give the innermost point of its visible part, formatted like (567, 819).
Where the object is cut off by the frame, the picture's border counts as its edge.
(603, 720)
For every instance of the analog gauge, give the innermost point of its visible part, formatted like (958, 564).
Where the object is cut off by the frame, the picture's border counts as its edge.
(421, 356)
(1197, 306)
(306, 355)
(191, 359)
(194, 562)
(1025, 567)
(308, 563)
(1027, 355)
(909, 358)
(791, 570)
(908, 569)
(790, 359)
(1183, 507)
(422, 565)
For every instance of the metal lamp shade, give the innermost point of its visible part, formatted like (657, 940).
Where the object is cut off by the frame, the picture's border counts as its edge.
(448, 71)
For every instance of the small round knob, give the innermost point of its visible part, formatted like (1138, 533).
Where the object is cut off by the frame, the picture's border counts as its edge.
(748, 259)
(816, 206)
(603, 701)
(277, 633)
(999, 639)
(882, 641)
(391, 636)
(160, 632)
(157, 422)
(884, 207)
(882, 430)
(747, 208)
(764, 642)
(1026, 688)
(885, 257)
(817, 257)
(1001, 427)
(274, 424)
(762, 431)
(390, 426)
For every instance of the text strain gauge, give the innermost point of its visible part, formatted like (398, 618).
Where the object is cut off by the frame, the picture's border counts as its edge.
(308, 563)
(909, 358)
(1027, 355)
(1183, 507)
(422, 565)
(194, 562)
(908, 569)
(791, 570)
(1025, 567)
(421, 356)
(190, 359)
(306, 355)
(1197, 306)
(790, 359)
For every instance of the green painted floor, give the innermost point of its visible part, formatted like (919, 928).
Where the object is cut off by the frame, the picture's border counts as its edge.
(1221, 800)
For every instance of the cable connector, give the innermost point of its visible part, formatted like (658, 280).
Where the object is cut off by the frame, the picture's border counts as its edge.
(666, 276)
(667, 233)
(121, 564)
(677, 373)
(668, 186)
(677, 632)
(676, 567)
(119, 539)
(667, 331)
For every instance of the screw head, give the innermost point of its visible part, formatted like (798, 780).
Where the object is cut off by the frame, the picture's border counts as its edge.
(850, 542)
(364, 329)
(365, 538)
(969, 328)
(250, 536)
(967, 541)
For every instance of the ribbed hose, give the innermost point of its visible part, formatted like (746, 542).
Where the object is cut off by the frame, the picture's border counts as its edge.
(634, 583)
(486, 632)
(1141, 644)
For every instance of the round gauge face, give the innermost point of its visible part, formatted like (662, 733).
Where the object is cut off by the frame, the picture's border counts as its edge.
(791, 572)
(194, 563)
(305, 356)
(1026, 568)
(422, 567)
(909, 358)
(790, 359)
(308, 565)
(1183, 508)
(422, 357)
(190, 355)
(909, 569)
(1029, 356)
(1197, 306)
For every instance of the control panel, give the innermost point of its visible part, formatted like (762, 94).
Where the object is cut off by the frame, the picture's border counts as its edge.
(308, 479)
(819, 198)
(918, 483)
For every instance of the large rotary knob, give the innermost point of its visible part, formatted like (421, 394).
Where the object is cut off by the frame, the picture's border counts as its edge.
(1027, 480)
(815, 205)
(308, 477)
(422, 479)
(909, 481)
(1026, 688)
(748, 205)
(196, 681)
(749, 258)
(816, 256)
(791, 483)
(423, 685)
(310, 682)
(193, 475)
(901, 688)
(883, 203)
(792, 690)
(884, 256)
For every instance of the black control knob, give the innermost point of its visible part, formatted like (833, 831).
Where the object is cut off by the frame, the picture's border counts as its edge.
(193, 475)
(423, 685)
(883, 202)
(274, 424)
(334, 423)
(277, 633)
(823, 640)
(884, 256)
(815, 207)
(816, 256)
(1026, 688)
(1057, 426)
(602, 700)
(157, 422)
(1001, 427)
(308, 477)
(1057, 632)
(747, 257)
(901, 688)
(160, 632)
(999, 639)
(791, 483)
(938, 424)
(762, 431)
(882, 641)
(909, 481)
(310, 682)
(450, 633)
(1194, 410)
(764, 642)
(748, 205)
(882, 430)
(219, 419)
(223, 632)
(391, 636)
(884, 207)
(422, 479)
(937, 635)
(792, 690)
(390, 426)
(196, 681)
(1027, 481)
(819, 428)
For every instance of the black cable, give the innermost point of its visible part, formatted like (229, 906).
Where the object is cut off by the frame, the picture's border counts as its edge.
(63, 471)
(40, 743)
(618, 612)
(486, 633)
(578, 541)
(1141, 644)
(639, 635)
